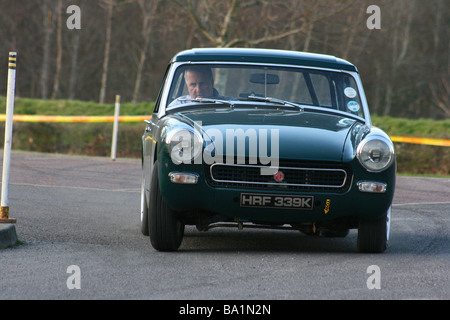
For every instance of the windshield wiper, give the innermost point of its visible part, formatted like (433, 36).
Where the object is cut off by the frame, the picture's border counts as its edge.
(208, 100)
(275, 100)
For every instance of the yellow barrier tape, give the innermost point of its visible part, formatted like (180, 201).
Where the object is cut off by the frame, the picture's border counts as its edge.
(68, 119)
(427, 141)
(92, 119)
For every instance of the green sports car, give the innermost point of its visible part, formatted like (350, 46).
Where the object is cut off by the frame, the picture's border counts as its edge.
(267, 139)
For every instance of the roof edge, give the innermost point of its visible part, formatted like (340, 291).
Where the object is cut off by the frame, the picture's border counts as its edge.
(263, 56)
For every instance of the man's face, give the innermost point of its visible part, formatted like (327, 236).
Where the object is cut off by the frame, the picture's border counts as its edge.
(199, 84)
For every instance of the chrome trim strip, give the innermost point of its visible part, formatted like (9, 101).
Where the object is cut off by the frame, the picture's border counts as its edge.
(276, 183)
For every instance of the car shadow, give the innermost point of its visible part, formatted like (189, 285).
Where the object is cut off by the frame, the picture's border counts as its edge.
(261, 240)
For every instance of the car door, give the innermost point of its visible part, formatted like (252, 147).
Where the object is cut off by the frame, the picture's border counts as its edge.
(149, 139)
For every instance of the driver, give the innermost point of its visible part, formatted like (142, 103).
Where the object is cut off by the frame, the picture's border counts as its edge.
(199, 81)
(200, 84)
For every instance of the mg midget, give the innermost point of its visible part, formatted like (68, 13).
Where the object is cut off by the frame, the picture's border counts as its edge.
(261, 138)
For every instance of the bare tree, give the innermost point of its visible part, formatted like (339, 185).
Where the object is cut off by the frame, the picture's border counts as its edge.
(441, 95)
(215, 19)
(110, 6)
(440, 89)
(405, 64)
(219, 21)
(148, 10)
(59, 51)
(48, 26)
(400, 44)
(74, 65)
(109, 15)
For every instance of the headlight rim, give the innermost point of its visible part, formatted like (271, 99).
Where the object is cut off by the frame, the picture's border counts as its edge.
(386, 141)
(197, 139)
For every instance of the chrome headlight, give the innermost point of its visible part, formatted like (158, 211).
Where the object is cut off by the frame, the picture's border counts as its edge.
(375, 153)
(185, 145)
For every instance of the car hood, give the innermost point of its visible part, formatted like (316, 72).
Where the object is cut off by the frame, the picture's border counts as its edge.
(298, 135)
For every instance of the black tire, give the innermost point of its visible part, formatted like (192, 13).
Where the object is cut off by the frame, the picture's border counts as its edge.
(165, 229)
(144, 210)
(373, 235)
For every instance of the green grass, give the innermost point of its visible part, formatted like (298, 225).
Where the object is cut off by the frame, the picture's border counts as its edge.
(415, 159)
(426, 128)
(74, 107)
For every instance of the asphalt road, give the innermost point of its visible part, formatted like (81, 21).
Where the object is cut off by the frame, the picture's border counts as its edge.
(84, 212)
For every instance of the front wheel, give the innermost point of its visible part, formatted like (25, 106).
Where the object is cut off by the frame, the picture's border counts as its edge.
(165, 229)
(373, 235)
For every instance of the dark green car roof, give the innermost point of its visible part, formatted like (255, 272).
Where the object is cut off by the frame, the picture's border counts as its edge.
(263, 56)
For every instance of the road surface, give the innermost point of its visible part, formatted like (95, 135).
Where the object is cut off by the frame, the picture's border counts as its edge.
(78, 219)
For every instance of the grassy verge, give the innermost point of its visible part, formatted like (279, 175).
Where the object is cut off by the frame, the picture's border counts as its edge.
(74, 107)
(426, 128)
(76, 138)
(95, 138)
(414, 158)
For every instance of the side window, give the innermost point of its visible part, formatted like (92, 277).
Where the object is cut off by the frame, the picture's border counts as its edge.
(158, 100)
(178, 87)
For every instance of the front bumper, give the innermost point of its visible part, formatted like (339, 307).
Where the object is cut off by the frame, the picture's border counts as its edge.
(357, 202)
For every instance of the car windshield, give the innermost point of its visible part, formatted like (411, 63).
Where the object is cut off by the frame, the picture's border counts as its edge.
(308, 87)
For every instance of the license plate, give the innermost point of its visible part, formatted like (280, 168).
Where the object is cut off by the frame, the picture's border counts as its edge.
(277, 201)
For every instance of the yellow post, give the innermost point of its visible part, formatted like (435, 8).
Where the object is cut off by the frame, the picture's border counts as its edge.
(4, 209)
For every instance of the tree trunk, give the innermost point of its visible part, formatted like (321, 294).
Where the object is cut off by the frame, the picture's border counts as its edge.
(74, 67)
(59, 52)
(308, 38)
(148, 16)
(48, 30)
(400, 44)
(106, 55)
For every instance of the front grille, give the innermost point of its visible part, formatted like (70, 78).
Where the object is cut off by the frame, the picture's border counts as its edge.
(304, 176)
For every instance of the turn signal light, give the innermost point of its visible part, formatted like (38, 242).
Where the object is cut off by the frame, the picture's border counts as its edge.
(371, 186)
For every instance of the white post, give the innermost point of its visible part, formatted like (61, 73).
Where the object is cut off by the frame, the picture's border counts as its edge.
(115, 128)
(4, 210)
